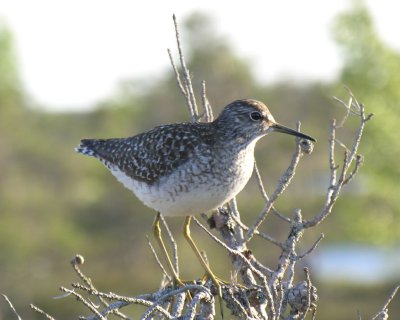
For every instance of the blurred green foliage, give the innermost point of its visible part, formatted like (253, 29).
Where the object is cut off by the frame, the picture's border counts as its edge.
(55, 203)
(372, 70)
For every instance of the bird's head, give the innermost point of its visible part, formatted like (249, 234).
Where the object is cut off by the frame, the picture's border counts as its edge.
(250, 119)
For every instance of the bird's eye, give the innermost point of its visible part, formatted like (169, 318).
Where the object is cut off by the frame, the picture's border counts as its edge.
(255, 116)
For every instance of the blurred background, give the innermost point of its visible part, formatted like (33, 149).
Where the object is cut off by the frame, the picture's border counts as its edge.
(70, 70)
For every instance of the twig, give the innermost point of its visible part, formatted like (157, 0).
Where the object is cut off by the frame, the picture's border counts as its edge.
(235, 215)
(40, 311)
(332, 165)
(364, 119)
(259, 233)
(352, 106)
(206, 104)
(264, 194)
(313, 247)
(206, 309)
(248, 264)
(173, 244)
(384, 310)
(310, 288)
(11, 306)
(348, 110)
(79, 260)
(182, 88)
(191, 309)
(259, 266)
(88, 304)
(124, 301)
(186, 74)
(177, 75)
(113, 296)
(283, 183)
(335, 186)
(230, 250)
(111, 308)
(179, 304)
(75, 262)
(288, 257)
(358, 314)
(158, 260)
(172, 293)
(243, 310)
(357, 166)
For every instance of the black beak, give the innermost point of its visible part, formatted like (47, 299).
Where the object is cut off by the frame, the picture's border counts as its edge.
(280, 128)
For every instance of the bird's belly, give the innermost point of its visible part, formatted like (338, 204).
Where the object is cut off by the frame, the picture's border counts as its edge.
(188, 193)
(198, 199)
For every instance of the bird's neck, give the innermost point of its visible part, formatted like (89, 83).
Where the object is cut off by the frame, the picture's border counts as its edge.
(230, 135)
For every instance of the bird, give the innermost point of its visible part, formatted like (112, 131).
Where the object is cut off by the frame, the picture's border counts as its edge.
(184, 169)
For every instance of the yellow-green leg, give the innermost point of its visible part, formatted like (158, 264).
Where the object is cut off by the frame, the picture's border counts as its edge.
(157, 235)
(209, 273)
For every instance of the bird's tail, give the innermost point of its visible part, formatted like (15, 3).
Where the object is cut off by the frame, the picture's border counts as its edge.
(86, 147)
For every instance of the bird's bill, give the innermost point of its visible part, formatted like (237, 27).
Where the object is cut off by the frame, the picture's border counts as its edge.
(280, 128)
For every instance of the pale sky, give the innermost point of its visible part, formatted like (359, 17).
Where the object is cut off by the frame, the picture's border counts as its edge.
(73, 53)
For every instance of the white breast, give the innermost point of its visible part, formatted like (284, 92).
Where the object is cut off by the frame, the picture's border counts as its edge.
(175, 195)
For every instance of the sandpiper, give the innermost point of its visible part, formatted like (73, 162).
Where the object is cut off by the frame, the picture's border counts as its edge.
(185, 169)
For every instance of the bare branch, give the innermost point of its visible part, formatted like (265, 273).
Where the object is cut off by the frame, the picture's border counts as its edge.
(348, 110)
(357, 166)
(40, 311)
(85, 302)
(383, 313)
(206, 104)
(177, 76)
(197, 299)
(173, 244)
(314, 246)
(336, 186)
(172, 293)
(122, 300)
(186, 74)
(235, 215)
(360, 131)
(358, 314)
(230, 250)
(11, 306)
(158, 260)
(264, 193)
(283, 183)
(238, 308)
(112, 296)
(332, 165)
(259, 266)
(76, 262)
(259, 233)
(310, 288)
(179, 304)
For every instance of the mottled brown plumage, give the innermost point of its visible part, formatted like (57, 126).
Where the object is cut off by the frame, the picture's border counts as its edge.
(150, 155)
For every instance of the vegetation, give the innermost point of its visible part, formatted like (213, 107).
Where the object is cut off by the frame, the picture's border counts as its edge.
(54, 203)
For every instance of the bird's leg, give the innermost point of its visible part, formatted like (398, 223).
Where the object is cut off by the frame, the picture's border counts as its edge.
(157, 235)
(209, 273)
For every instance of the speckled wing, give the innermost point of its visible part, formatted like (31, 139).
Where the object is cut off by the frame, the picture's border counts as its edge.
(150, 155)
